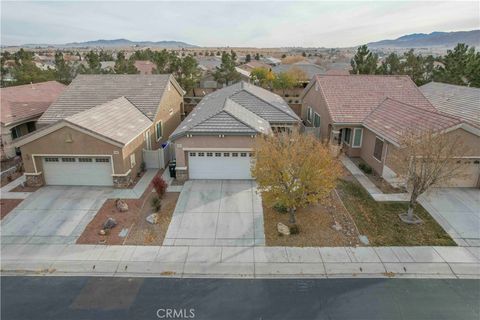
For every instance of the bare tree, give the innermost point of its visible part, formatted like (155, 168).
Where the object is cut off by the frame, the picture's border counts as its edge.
(426, 159)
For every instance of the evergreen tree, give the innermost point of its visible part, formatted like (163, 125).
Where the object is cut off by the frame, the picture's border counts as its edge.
(226, 73)
(364, 61)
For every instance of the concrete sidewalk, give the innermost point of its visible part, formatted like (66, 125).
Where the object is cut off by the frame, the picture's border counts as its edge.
(242, 262)
(5, 190)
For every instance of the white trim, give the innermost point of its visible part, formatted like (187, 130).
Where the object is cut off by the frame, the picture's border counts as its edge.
(309, 111)
(361, 138)
(217, 149)
(32, 173)
(381, 153)
(73, 155)
(122, 174)
(343, 137)
(161, 127)
(180, 168)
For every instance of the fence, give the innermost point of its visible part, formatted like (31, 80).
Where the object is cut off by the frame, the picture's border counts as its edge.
(158, 159)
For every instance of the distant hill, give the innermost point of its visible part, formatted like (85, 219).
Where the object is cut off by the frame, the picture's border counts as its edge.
(434, 39)
(118, 43)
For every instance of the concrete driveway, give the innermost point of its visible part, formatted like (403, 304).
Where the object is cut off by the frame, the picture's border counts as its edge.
(457, 210)
(53, 215)
(217, 213)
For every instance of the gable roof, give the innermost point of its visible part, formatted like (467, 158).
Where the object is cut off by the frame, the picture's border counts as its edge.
(350, 98)
(19, 103)
(459, 101)
(241, 108)
(88, 91)
(391, 118)
(310, 69)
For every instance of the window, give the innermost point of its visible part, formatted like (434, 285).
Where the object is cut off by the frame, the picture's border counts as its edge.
(68, 159)
(357, 137)
(192, 154)
(377, 151)
(102, 160)
(226, 154)
(16, 133)
(243, 154)
(51, 159)
(234, 154)
(209, 154)
(201, 154)
(159, 130)
(85, 160)
(133, 161)
(316, 120)
(218, 154)
(30, 126)
(309, 114)
(346, 136)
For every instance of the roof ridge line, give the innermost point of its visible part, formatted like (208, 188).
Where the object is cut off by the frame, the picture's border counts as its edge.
(274, 106)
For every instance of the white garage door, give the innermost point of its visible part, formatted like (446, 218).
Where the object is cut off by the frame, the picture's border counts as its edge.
(219, 165)
(84, 171)
(468, 175)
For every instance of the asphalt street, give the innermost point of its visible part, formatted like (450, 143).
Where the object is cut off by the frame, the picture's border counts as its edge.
(162, 298)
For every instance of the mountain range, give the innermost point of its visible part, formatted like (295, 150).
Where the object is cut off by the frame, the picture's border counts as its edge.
(118, 43)
(434, 39)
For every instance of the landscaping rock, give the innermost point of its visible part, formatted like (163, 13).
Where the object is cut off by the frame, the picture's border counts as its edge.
(364, 239)
(102, 232)
(122, 206)
(283, 229)
(110, 223)
(153, 218)
(337, 226)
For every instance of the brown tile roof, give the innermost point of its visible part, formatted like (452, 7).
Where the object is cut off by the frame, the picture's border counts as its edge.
(249, 66)
(350, 98)
(145, 66)
(19, 103)
(391, 118)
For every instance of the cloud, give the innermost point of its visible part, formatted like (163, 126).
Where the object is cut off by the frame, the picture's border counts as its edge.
(260, 24)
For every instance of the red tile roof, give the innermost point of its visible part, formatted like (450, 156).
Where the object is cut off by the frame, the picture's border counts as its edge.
(391, 118)
(145, 66)
(350, 98)
(19, 103)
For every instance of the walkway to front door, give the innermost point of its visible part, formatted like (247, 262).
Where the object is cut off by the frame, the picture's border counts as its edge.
(217, 213)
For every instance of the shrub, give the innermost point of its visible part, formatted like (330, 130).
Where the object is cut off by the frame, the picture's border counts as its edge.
(294, 229)
(365, 168)
(159, 185)
(143, 166)
(156, 204)
(280, 208)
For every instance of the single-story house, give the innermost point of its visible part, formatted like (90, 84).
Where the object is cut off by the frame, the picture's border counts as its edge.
(98, 129)
(364, 115)
(145, 66)
(215, 140)
(21, 106)
(308, 69)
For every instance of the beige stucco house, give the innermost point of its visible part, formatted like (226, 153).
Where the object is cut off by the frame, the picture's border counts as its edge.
(364, 115)
(21, 106)
(215, 140)
(96, 132)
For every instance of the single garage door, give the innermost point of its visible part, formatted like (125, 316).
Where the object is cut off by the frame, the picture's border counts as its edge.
(468, 174)
(219, 165)
(77, 171)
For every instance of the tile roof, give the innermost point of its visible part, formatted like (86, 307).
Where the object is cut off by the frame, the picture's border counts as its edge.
(118, 120)
(88, 91)
(241, 108)
(462, 102)
(350, 98)
(391, 118)
(145, 66)
(19, 103)
(249, 66)
(310, 69)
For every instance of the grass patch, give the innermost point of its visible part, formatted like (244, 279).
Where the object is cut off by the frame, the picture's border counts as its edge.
(380, 221)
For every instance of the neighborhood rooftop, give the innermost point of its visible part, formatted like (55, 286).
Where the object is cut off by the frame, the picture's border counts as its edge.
(391, 118)
(239, 108)
(459, 101)
(26, 101)
(88, 91)
(350, 98)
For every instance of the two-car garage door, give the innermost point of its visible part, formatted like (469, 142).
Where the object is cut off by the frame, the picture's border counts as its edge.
(78, 171)
(219, 165)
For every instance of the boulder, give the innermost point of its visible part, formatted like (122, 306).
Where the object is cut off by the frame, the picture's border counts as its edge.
(122, 206)
(337, 226)
(283, 229)
(109, 224)
(153, 218)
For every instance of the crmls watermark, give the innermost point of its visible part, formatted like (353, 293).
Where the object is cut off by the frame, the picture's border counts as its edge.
(174, 313)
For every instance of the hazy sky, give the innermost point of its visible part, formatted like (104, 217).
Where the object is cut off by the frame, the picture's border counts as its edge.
(234, 23)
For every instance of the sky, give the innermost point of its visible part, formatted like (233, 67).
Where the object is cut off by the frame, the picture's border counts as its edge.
(233, 23)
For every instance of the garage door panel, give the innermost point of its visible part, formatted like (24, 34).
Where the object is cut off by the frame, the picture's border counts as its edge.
(77, 171)
(468, 175)
(219, 165)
